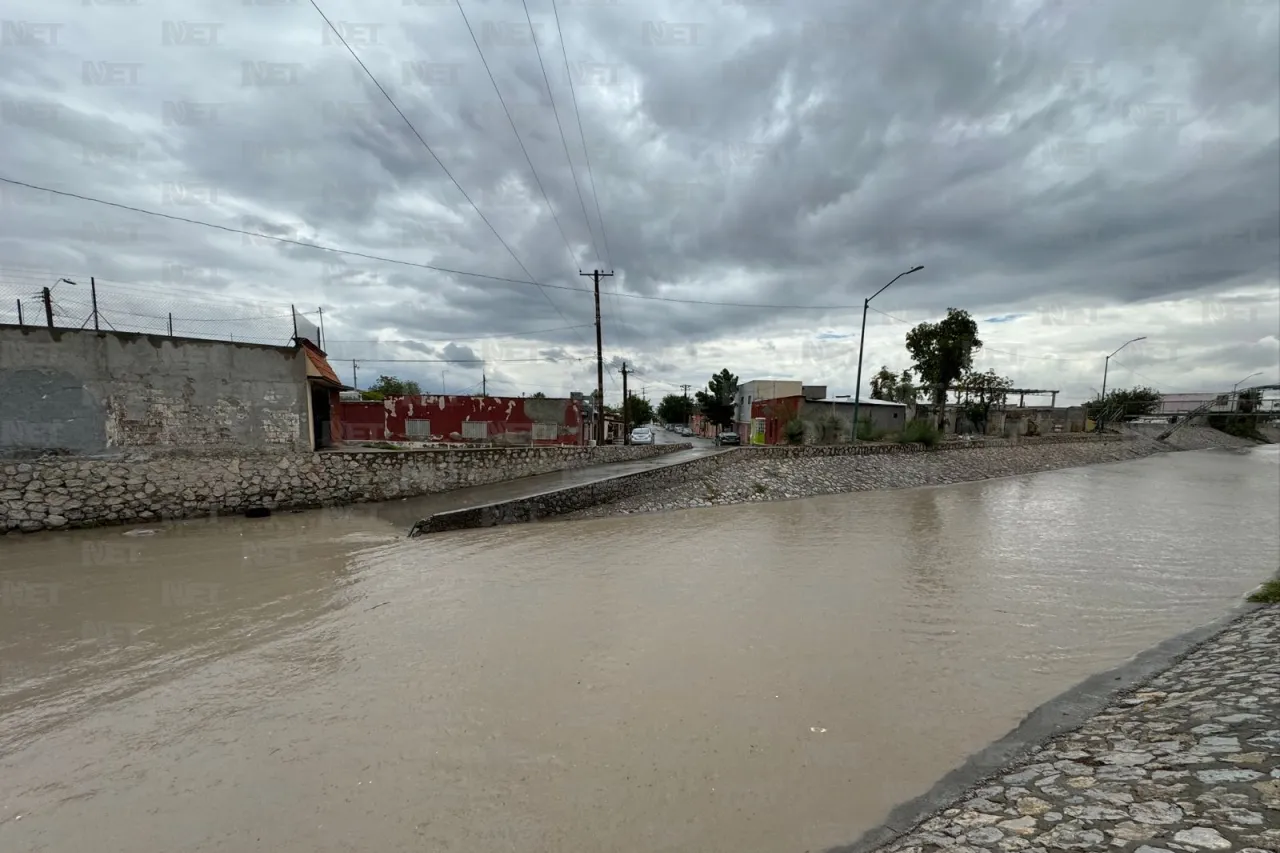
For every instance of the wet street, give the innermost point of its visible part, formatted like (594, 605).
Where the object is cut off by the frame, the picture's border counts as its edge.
(763, 677)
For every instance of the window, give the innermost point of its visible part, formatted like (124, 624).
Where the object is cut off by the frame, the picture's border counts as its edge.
(546, 432)
(417, 428)
(475, 429)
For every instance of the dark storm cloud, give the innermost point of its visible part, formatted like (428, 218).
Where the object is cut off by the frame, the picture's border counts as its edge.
(1068, 160)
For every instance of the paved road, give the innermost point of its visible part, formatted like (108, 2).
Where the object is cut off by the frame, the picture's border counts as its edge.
(412, 510)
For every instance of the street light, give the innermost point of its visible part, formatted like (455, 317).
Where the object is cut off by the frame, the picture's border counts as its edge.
(1102, 400)
(866, 303)
(1235, 398)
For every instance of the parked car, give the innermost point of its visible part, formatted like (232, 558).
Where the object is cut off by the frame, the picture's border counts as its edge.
(643, 435)
(728, 438)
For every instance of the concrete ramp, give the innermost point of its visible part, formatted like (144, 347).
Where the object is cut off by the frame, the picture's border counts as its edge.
(561, 501)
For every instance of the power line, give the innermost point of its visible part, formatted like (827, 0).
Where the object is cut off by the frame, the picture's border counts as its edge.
(986, 348)
(474, 338)
(419, 265)
(459, 360)
(560, 127)
(443, 168)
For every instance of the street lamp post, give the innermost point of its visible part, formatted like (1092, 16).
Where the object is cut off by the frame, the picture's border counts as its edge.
(1235, 398)
(1102, 401)
(862, 337)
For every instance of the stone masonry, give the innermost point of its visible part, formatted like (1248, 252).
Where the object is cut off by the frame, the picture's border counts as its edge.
(1188, 763)
(52, 493)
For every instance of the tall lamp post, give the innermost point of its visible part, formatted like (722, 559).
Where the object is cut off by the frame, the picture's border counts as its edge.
(866, 303)
(1102, 401)
(1235, 398)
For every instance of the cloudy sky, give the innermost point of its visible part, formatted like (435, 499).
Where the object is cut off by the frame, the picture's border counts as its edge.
(1074, 173)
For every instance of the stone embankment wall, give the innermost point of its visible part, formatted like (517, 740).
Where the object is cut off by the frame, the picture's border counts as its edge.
(59, 492)
(738, 475)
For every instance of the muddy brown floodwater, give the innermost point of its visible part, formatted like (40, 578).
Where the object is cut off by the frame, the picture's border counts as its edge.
(769, 677)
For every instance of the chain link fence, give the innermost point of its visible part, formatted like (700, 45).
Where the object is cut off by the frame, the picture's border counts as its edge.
(84, 302)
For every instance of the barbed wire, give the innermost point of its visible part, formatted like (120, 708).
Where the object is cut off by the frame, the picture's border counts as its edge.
(123, 308)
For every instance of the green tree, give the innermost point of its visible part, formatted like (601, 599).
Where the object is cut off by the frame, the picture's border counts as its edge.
(982, 391)
(943, 353)
(1249, 401)
(895, 387)
(1124, 404)
(717, 401)
(638, 411)
(390, 386)
(675, 409)
(538, 395)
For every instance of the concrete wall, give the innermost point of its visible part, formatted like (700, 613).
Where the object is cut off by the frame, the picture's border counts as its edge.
(83, 392)
(54, 493)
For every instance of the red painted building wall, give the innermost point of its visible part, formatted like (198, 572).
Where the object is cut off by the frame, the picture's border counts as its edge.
(777, 414)
(507, 421)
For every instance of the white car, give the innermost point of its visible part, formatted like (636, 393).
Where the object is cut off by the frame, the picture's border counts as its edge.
(643, 435)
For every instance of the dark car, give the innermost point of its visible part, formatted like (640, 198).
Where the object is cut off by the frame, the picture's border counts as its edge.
(725, 438)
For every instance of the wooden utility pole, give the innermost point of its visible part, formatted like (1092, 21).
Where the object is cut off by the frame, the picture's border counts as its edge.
(484, 386)
(20, 324)
(686, 388)
(93, 295)
(47, 298)
(626, 433)
(596, 275)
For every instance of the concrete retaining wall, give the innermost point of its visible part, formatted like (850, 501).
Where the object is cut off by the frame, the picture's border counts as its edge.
(574, 498)
(76, 392)
(562, 501)
(57, 492)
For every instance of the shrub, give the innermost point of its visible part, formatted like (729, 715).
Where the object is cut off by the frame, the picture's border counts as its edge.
(794, 431)
(866, 432)
(920, 432)
(1268, 593)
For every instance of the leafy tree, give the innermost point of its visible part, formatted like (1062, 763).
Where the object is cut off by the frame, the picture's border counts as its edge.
(1124, 404)
(1249, 401)
(943, 352)
(538, 395)
(897, 388)
(716, 403)
(982, 391)
(794, 431)
(638, 410)
(675, 409)
(390, 386)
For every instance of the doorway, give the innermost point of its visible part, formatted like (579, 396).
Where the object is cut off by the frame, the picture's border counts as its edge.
(321, 418)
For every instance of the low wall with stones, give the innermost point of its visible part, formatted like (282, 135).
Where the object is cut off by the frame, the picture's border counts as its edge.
(563, 501)
(53, 493)
(593, 496)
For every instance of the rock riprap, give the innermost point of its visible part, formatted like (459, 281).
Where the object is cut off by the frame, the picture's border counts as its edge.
(1189, 762)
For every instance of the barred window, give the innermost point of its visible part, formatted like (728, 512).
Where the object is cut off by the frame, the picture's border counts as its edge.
(475, 429)
(546, 432)
(417, 428)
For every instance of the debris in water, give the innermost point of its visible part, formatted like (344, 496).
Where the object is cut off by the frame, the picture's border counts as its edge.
(140, 532)
(817, 729)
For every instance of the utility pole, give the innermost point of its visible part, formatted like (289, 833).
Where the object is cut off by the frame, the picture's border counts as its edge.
(685, 389)
(321, 310)
(484, 385)
(1102, 400)
(862, 338)
(596, 275)
(626, 433)
(19, 313)
(355, 380)
(47, 298)
(93, 295)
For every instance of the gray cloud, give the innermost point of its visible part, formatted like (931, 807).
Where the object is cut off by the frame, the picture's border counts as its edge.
(1085, 171)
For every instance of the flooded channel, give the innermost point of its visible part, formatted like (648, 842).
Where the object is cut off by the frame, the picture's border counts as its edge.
(769, 677)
